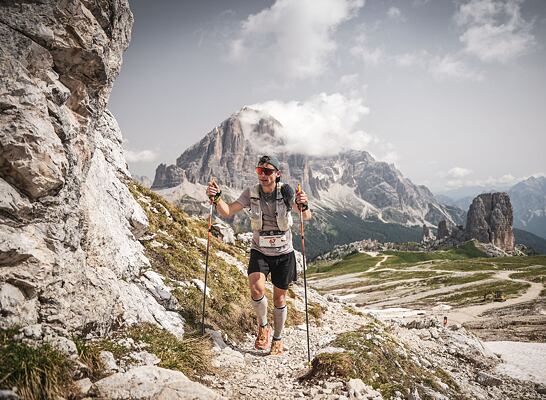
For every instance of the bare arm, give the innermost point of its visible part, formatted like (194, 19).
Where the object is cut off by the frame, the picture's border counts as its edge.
(227, 210)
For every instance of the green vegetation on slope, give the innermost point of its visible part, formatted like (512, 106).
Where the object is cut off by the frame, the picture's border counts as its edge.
(38, 372)
(333, 227)
(178, 252)
(532, 273)
(478, 294)
(373, 355)
(529, 239)
(178, 255)
(357, 262)
(465, 251)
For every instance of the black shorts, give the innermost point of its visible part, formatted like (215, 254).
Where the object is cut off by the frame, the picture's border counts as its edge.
(282, 268)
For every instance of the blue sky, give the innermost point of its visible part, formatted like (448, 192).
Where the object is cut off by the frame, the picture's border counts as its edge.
(452, 92)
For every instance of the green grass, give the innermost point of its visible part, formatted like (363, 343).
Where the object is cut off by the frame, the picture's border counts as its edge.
(478, 294)
(38, 372)
(89, 354)
(376, 357)
(450, 280)
(358, 262)
(532, 274)
(228, 309)
(190, 355)
(381, 276)
(463, 252)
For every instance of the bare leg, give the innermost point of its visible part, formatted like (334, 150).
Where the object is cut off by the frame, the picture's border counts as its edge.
(256, 281)
(280, 311)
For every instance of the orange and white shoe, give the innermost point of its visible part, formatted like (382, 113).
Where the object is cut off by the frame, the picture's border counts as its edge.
(277, 348)
(262, 341)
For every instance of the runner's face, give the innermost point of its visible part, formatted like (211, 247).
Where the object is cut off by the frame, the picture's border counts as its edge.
(268, 180)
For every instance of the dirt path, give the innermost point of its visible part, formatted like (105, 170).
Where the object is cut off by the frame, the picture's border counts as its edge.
(378, 264)
(246, 373)
(464, 314)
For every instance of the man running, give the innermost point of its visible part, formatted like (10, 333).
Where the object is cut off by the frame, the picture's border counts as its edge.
(270, 204)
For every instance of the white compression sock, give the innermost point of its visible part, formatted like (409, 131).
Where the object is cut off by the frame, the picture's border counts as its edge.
(279, 317)
(260, 306)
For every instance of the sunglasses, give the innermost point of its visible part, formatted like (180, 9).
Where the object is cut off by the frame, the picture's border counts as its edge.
(265, 171)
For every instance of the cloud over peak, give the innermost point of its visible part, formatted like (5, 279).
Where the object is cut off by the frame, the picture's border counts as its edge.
(324, 124)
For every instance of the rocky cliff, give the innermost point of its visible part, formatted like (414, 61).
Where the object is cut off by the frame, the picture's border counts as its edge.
(490, 220)
(69, 254)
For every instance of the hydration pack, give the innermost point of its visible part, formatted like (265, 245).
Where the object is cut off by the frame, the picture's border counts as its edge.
(282, 214)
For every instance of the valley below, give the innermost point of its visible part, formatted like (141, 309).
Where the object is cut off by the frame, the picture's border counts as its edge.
(501, 300)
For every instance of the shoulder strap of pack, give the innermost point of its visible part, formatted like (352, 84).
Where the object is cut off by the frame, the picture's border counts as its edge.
(255, 191)
(279, 192)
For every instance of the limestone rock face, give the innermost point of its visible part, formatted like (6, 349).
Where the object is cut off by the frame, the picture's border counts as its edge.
(69, 257)
(490, 220)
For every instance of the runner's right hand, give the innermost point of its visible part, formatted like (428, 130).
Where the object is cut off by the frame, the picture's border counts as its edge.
(212, 188)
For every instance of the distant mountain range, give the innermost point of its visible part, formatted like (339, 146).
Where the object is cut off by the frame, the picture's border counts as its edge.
(353, 196)
(528, 199)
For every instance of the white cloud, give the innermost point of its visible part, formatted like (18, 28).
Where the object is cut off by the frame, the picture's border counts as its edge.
(444, 67)
(458, 172)
(140, 156)
(348, 80)
(495, 29)
(395, 13)
(419, 3)
(372, 56)
(322, 125)
(295, 37)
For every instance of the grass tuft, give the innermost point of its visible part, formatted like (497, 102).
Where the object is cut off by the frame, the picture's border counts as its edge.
(190, 355)
(37, 372)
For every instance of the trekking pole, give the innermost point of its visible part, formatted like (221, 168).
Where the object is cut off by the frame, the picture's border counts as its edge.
(304, 277)
(211, 207)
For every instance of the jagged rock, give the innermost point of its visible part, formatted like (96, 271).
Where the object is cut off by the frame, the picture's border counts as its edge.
(145, 358)
(83, 386)
(427, 235)
(227, 357)
(151, 382)
(421, 323)
(109, 362)
(490, 220)
(488, 379)
(62, 344)
(168, 176)
(359, 390)
(224, 231)
(8, 395)
(443, 230)
(143, 180)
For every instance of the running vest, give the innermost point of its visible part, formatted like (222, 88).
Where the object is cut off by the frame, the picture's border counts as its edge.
(282, 214)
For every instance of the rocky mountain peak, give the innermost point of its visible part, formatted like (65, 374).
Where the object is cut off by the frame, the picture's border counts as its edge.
(350, 180)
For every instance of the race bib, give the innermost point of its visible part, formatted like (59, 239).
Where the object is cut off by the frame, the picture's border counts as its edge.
(273, 240)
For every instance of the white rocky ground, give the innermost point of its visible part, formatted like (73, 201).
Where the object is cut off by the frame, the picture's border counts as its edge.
(522, 360)
(246, 373)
